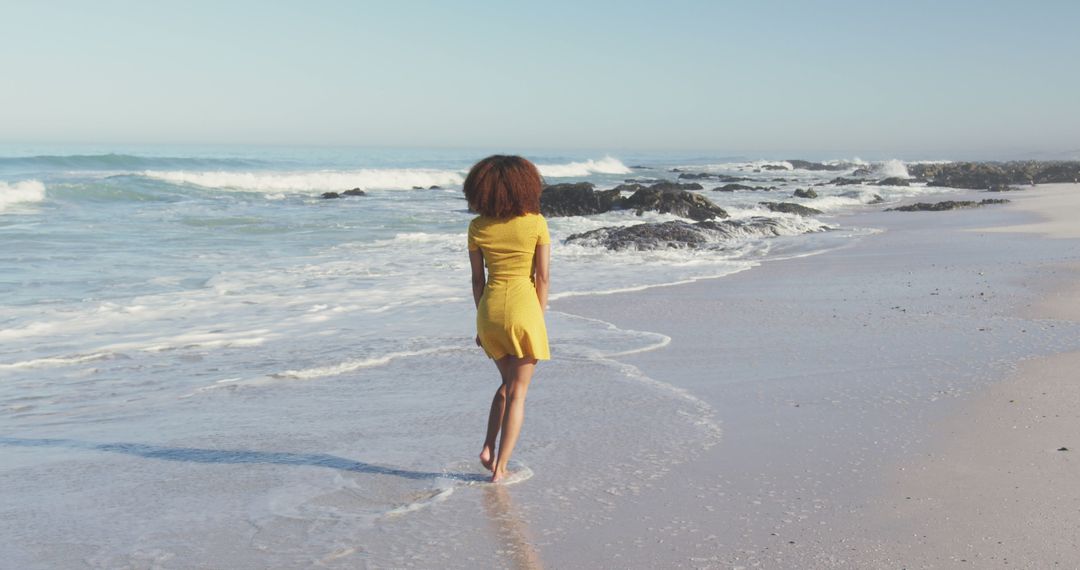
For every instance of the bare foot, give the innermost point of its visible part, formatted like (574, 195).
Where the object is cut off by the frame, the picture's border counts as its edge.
(498, 475)
(487, 458)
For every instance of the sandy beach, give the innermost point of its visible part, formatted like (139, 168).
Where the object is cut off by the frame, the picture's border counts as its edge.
(916, 406)
(996, 487)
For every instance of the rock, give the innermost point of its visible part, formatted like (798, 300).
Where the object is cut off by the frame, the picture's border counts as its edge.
(677, 234)
(779, 179)
(629, 187)
(695, 175)
(774, 167)
(863, 171)
(894, 181)
(733, 187)
(790, 208)
(665, 199)
(666, 186)
(645, 180)
(434, 187)
(1002, 188)
(841, 181)
(988, 175)
(1063, 449)
(417, 187)
(639, 167)
(728, 178)
(807, 165)
(330, 195)
(945, 205)
(800, 193)
(354, 192)
(576, 199)
(877, 199)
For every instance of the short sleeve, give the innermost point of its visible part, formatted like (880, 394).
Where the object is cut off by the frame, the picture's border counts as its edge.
(473, 246)
(543, 237)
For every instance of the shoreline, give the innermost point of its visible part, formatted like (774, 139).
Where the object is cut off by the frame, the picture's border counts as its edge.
(788, 506)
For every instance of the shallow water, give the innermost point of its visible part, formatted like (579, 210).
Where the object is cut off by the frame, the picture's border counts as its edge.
(201, 362)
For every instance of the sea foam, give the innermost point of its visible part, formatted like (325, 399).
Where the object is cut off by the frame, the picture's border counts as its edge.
(606, 165)
(893, 169)
(23, 192)
(313, 181)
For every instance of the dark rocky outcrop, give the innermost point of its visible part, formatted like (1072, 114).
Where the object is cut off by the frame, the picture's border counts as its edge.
(996, 175)
(841, 181)
(417, 187)
(576, 199)
(677, 234)
(579, 199)
(807, 165)
(644, 180)
(639, 167)
(674, 201)
(863, 171)
(333, 195)
(669, 186)
(790, 208)
(894, 181)
(945, 205)
(711, 176)
(800, 193)
(732, 187)
(434, 187)
(773, 167)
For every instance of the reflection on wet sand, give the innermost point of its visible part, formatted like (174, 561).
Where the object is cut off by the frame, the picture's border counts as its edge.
(510, 528)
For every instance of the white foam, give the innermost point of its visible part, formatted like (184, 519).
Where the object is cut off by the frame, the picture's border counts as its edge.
(314, 181)
(893, 169)
(23, 192)
(351, 365)
(606, 165)
(56, 361)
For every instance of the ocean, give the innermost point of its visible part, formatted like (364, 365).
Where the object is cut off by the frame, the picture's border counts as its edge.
(193, 343)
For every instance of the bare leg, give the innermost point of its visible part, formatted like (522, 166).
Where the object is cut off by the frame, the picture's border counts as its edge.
(495, 418)
(520, 374)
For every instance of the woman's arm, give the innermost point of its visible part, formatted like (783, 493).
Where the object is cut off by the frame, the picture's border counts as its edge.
(541, 273)
(476, 260)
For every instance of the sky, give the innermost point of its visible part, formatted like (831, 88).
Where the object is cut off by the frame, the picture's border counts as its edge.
(952, 76)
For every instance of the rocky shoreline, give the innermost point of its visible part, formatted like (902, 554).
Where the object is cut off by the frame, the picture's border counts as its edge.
(709, 225)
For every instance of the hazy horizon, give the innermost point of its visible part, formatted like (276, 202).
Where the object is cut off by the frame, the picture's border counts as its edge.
(963, 80)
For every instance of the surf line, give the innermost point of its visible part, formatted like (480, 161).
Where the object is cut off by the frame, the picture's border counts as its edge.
(706, 414)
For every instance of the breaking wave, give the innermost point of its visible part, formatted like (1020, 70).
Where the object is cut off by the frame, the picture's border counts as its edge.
(23, 192)
(893, 169)
(114, 161)
(606, 165)
(317, 181)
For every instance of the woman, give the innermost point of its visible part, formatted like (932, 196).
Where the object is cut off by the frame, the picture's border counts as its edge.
(511, 238)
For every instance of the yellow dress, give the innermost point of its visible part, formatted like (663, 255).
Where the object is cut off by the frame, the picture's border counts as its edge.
(509, 319)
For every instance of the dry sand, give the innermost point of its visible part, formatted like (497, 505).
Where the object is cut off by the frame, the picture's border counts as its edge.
(1000, 486)
(1057, 204)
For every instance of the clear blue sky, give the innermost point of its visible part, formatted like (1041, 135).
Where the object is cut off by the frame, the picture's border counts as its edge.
(815, 76)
